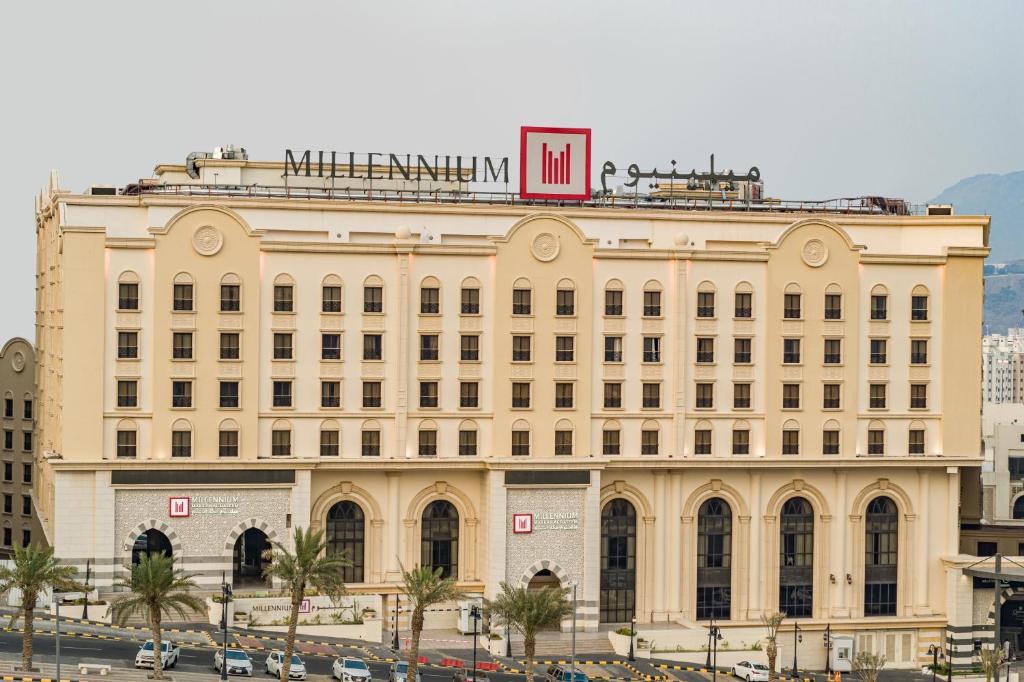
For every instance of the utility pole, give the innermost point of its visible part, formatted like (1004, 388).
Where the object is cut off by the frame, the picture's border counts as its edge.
(572, 667)
(225, 592)
(56, 626)
(474, 613)
(998, 599)
(85, 605)
(796, 640)
(828, 649)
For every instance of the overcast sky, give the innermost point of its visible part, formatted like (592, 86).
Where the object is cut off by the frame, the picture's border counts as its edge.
(828, 99)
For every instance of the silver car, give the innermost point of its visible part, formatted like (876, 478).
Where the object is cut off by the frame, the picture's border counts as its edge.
(239, 662)
(400, 670)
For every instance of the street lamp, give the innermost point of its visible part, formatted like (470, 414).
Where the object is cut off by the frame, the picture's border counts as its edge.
(797, 638)
(394, 630)
(632, 636)
(474, 614)
(85, 604)
(714, 634)
(225, 593)
(828, 649)
(934, 651)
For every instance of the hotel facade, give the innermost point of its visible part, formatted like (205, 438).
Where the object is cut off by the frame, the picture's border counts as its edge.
(686, 413)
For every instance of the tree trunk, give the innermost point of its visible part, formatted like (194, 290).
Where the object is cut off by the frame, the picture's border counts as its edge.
(289, 642)
(772, 652)
(529, 647)
(158, 645)
(414, 645)
(26, 637)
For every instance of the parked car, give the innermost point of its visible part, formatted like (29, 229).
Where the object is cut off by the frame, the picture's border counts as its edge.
(561, 673)
(463, 675)
(400, 670)
(751, 672)
(144, 659)
(239, 662)
(297, 670)
(350, 669)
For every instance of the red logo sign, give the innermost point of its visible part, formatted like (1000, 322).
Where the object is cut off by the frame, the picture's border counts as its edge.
(522, 523)
(554, 163)
(179, 507)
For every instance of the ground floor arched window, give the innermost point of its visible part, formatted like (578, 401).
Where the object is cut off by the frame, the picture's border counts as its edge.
(151, 542)
(714, 559)
(439, 538)
(881, 554)
(346, 534)
(796, 558)
(618, 562)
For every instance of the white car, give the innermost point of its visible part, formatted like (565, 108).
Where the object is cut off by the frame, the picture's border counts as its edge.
(239, 662)
(751, 672)
(144, 659)
(349, 669)
(296, 671)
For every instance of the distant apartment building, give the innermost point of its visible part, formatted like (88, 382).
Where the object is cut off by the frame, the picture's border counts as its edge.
(18, 519)
(1003, 362)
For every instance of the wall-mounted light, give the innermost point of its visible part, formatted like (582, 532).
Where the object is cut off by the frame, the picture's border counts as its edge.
(849, 579)
(832, 578)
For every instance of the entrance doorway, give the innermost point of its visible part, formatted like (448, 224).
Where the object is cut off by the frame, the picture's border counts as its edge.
(149, 543)
(541, 579)
(249, 559)
(1012, 622)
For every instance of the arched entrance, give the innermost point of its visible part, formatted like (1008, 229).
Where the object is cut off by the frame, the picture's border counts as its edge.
(543, 578)
(150, 542)
(248, 559)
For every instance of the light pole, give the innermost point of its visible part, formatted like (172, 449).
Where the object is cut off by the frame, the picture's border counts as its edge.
(85, 605)
(508, 641)
(934, 651)
(714, 659)
(56, 630)
(572, 667)
(797, 638)
(225, 593)
(394, 630)
(828, 649)
(474, 613)
(711, 633)
(632, 636)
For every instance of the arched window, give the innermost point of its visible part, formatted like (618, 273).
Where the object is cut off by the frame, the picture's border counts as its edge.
(183, 293)
(284, 294)
(281, 438)
(346, 534)
(565, 298)
(618, 562)
(563, 437)
(792, 302)
(330, 294)
(373, 294)
(470, 296)
(744, 303)
(468, 441)
(702, 433)
(611, 438)
(1018, 508)
(791, 437)
(879, 302)
(439, 538)
(919, 303)
(430, 296)
(881, 526)
(522, 297)
(714, 559)
(650, 438)
(128, 291)
(833, 302)
(521, 438)
(181, 438)
(369, 436)
(613, 295)
(796, 558)
(705, 299)
(652, 298)
(230, 293)
(330, 438)
(227, 438)
(427, 438)
(151, 542)
(127, 439)
(830, 437)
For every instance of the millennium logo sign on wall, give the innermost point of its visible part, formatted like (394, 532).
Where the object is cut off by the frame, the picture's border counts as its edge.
(554, 163)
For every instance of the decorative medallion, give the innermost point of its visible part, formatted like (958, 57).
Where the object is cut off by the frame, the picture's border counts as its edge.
(207, 240)
(545, 247)
(815, 253)
(18, 361)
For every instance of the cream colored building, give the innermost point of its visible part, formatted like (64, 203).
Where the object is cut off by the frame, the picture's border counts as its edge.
(705, 412)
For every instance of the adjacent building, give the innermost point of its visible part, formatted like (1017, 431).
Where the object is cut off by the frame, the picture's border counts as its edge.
(1003, 376)
(19, 525)
(686, 413)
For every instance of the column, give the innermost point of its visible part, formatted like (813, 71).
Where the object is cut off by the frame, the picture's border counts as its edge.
(497, 532)
(644, 591)
(741, 605)
(393, 523)
(675, 557)
(661, 532)
(404, 339)
(839, 561)
(755, 572)
(373, 564)
(590, 609)
(688, 606)
(917, 537)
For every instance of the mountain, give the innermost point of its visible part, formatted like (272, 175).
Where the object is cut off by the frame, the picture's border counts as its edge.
(1000, 196)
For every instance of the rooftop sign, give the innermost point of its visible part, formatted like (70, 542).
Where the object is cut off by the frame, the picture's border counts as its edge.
(381, 166)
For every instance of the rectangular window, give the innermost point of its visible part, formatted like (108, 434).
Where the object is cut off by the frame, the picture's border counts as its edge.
(915, 445)
(565, 302)
(705, 304)
(182, 346)
(282, 394)
(373, 347)
(127, 393)
(878, 352)
(229, 345)
(183, 297)
(181, 394)
(230, 298)
(469, 394)
(877, 396)
(467, 443)
(371, 394)
(652, 349)
(651, 396)
(470, 302)
(833, 351)
(128, 345)
(702, 442)
(8, 503)
(126, 445)
(522, 302)
(26, 441)
(741, 396)
(613, 349)
(521, 348)
(229, 394)
(26, 473)
(563, 442)
(8, 471)
(427, 443)
(791, 351)
(790, 442)
(181, 443)
(26, 505)
(470, 348)
(740, 442)
(830, 442)
(373, 299)
(830, 397)
(610, 444)
(919, 308)
(330, 394)
(833, 306)
(9, 407)
(613, 302)
(330, 299)
(612, 395)
(879, 307)
(741, 351)
(227, 444)
(370, 443)
(791, 306)
(876, 442)
(520, 395)
(329, 445)
(744, 305)
(563, 395)
(918, 396)
(26, 409)
(790, 396)
(283, 294)
(565, 348)
(128, 296)
(705, 349)
(282, 346)
(652, 304)
(8, 439)
(520, 443)
(430, 300)
(281, 443)
(429, 347)
(428, 394)
(330, 346)
(705, 396)
(919, 351)
(649, 444)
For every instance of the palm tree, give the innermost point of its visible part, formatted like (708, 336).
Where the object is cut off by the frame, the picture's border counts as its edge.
(156, 588)
(424, 587)
(771, 622)
(530, 611)
(34, 571)
(308, 566)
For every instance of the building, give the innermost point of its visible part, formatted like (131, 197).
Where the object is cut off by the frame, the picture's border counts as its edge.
(686, 413)
(1003, 362)
(20, 525)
